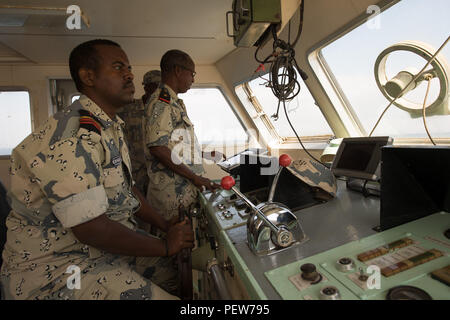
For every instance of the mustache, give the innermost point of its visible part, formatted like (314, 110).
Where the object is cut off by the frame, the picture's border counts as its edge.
(128, 84)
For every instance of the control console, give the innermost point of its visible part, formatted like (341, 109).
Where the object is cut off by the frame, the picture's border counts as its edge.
(411, 261)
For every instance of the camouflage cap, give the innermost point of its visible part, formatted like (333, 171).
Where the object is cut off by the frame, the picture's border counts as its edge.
(153, 76)
(314, 174)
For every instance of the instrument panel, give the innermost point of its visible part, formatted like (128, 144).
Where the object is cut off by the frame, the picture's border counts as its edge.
(411, 261)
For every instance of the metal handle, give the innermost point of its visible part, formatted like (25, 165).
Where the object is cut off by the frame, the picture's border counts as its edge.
(283, 236)
(215, 194)
(258, 212)
(218, 278)
(284, 161)
(228, 34)
(274, 185)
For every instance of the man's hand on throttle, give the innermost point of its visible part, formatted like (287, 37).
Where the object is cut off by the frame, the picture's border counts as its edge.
(204, 183)
(180, 236)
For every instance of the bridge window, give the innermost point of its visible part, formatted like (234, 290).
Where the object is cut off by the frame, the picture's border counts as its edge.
(15, 122)
(303, 112)
(350, 60)
(213, 117)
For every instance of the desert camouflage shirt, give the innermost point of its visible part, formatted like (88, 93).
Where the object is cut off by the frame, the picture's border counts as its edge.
(72, 169)
(167, 124)
(133, 116)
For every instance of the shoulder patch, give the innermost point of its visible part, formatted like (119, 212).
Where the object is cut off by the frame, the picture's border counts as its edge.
(89, 122)
(164, 95)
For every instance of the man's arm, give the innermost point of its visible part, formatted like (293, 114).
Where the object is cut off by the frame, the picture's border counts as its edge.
(163, 154)
(111, 236)
(149, 214)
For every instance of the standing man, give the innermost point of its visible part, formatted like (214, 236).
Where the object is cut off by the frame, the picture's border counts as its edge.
(71, 230)
(133, 116)
(173, 154)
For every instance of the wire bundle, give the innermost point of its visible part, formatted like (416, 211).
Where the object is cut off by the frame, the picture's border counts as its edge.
(282, 74)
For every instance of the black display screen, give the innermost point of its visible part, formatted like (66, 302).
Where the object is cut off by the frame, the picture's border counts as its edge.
(359, 157)
(356, 156)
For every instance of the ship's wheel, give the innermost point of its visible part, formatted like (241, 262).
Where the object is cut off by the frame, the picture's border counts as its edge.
(391, 88)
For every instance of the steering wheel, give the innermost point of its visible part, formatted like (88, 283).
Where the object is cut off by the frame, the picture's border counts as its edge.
(392, 87)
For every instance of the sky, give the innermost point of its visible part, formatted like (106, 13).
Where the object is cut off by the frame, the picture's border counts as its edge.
(352, 59)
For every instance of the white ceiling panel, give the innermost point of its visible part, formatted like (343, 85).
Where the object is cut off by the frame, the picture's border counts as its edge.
(144, 28)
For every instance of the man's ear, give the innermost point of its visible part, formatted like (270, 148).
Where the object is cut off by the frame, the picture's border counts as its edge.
(177, 70)
(86, 76)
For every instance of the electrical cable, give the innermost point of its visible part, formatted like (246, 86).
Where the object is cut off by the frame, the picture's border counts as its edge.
(282, 73)
(301, 143)
(300, 27)
(428, 77)
(284, 59)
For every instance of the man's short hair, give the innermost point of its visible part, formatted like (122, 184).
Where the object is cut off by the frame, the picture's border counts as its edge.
(172, 58)
(86, 56)
(153, 76)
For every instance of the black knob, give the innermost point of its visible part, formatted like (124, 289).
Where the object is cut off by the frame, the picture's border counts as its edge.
(309, 272)
(240, 204)
(308, 268)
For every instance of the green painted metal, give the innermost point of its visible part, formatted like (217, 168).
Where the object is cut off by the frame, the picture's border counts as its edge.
(266, 11)
(253, 289)
(216, 214)
(252, 17)
(218, 229)
(427, 233)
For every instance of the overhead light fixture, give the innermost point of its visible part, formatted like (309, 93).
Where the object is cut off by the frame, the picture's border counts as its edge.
(23, 16)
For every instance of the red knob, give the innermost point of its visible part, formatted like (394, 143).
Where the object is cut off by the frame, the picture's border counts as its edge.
(227, 182)
(285, 160)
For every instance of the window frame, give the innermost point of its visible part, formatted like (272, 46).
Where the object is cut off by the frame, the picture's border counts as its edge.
(334, 92)
(262, 121)
(15, 89)
(231, 105)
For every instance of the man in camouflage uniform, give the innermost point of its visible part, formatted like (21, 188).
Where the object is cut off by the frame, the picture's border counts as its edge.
(133, 116)
(173, 154)
(72, 203)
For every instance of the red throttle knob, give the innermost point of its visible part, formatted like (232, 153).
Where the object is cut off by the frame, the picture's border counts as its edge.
(285, 160)
(227, 182)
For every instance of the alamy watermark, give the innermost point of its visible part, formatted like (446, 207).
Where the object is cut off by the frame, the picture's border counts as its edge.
(187, 150)
(74, 280)
(73, 22)
(374, 281)
(374, 20)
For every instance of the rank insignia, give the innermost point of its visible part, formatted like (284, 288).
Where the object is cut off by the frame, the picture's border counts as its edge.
(89, 122)
(164, 95)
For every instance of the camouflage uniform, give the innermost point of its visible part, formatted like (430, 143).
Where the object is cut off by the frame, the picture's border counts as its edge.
(314, 174)
(167, 124)
(74, 168)
(133, 116)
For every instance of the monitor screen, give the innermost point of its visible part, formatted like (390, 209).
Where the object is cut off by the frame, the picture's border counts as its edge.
(359, 157)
